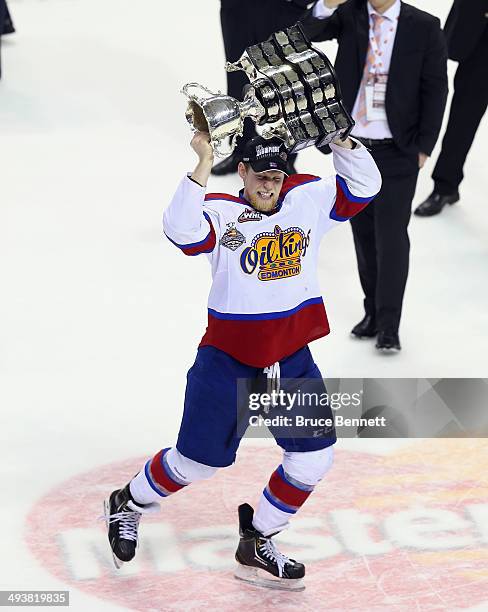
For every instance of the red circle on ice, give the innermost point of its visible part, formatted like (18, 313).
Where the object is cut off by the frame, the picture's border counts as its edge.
(404, 531)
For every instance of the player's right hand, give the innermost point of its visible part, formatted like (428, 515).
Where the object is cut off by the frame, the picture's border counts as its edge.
(200, 143)
(333, 3)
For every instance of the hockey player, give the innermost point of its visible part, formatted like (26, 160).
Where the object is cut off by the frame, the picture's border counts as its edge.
(264, 309)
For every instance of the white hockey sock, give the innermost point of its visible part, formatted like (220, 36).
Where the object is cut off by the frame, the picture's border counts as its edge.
(167, 473)
(289, 487)
(141, 490)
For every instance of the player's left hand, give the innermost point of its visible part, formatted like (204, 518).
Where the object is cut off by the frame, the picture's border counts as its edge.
(422, 159)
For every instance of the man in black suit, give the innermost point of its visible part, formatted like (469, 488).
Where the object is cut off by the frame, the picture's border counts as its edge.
(245, 23)
(392, 67)
(466, 31)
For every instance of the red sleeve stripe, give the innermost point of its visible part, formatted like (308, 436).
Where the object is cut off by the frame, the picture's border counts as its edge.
(347, 205)
(206, 245)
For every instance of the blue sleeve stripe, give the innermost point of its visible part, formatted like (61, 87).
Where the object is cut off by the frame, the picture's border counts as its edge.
(336, 217)
(193, 244)
(350, 196)
(188, 246)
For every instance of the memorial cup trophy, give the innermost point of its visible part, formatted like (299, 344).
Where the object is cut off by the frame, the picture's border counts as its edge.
(293, 93)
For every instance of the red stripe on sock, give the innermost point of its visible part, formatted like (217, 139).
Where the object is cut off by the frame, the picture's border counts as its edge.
(160, 476)
(286, 492)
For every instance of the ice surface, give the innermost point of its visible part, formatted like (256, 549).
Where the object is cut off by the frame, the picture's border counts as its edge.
(100, 319)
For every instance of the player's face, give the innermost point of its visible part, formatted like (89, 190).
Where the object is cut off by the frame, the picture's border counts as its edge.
(261, 189)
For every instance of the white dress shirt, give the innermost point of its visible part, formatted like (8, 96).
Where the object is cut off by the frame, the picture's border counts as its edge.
(373, 129)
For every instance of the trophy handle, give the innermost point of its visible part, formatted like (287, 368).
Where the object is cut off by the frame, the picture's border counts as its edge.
(220, 151)
(186, 90)
(232, 66)
(280, 131)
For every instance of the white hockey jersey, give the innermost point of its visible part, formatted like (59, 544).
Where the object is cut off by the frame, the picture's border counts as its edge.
(265, 300)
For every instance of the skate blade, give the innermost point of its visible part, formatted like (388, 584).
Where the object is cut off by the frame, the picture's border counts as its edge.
(259, 577)
(106, 512)
(117, 562)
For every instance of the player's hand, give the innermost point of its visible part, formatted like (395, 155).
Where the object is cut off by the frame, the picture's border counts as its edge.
(422, 159)
(200, 143)
(333, 3)
(345, 144)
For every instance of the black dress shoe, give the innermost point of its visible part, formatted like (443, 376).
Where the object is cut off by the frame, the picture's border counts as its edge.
(435, 203)
(365, 328)
(388, 342)
(228, 165)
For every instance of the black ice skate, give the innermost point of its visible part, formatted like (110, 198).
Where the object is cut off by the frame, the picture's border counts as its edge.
(260, 562)
(122, 515)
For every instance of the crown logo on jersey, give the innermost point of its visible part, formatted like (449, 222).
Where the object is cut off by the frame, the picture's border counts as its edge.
(276, 254)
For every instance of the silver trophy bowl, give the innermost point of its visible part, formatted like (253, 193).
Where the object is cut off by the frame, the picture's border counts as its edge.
(220, 115)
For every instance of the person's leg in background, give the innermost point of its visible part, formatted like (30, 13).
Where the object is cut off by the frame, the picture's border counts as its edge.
(236, 19)
(3, 10)
(6, 20)
(392, 215)
(382, 246)
(467, 109)
(244, 24)
(279, 15)
(363, 230)
(6, 26)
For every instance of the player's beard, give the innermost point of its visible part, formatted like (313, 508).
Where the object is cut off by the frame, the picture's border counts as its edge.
(263, 205)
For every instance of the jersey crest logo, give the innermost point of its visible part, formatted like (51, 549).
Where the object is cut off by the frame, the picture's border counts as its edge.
(250, 215)
(232, 239)
(276, 254)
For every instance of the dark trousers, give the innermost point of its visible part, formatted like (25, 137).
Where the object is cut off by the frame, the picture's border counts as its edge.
(245, 23)
(381, 237)
(467, 109)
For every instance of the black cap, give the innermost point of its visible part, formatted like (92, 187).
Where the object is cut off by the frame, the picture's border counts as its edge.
(266, 154)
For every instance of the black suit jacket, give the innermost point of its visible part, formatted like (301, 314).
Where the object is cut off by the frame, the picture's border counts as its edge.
(465, 26)
(417, 83)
